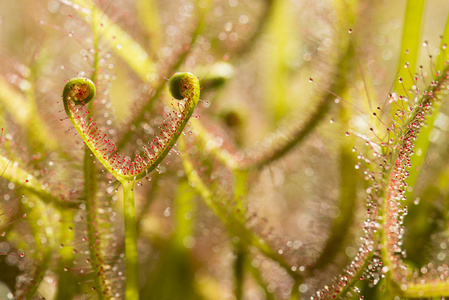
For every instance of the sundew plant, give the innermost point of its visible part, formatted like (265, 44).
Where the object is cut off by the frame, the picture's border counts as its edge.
(228, 149)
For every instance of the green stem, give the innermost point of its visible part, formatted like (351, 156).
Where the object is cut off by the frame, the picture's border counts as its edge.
(431, 289)
(239, 248)
(295, 292)
(258, 278)
(423, 142)
(239, 270)
(66, 289)
(411, 36)
(132, 276)
(141, 214)
(240, 187)
(95, 255)
(102, 286)
(184, 204)
(96, 59)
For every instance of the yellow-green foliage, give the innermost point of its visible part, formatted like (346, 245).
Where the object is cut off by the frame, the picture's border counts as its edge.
(229, 149)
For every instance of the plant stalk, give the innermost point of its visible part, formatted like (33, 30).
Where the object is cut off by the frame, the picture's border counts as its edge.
(132, 276)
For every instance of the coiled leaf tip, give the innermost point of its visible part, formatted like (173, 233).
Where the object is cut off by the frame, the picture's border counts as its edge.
(80, 90)
(179, 85)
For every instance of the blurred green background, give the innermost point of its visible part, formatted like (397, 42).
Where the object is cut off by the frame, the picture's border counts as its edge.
(254, 59)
